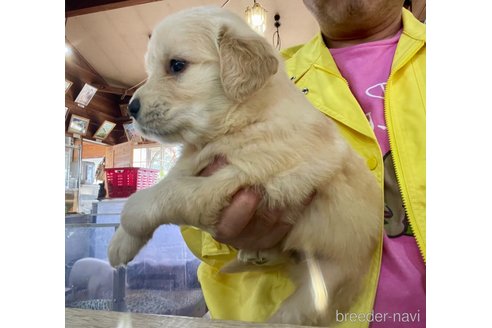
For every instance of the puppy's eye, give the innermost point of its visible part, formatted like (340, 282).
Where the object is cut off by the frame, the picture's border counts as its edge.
(177, 65)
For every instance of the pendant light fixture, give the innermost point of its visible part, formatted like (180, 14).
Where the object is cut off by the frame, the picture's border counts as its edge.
(256, 17)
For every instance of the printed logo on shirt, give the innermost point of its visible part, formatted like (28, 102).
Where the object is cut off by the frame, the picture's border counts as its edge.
(377, 90)
(372, 103)
(371, 122)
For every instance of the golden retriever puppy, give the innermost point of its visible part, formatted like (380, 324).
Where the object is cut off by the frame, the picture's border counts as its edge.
(219, 88)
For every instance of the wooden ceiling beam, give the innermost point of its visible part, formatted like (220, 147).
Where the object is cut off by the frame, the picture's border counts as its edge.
(90, 112)
(82, 7)
(113, 90)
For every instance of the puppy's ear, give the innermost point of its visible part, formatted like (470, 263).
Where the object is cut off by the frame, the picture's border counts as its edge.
(246, 63)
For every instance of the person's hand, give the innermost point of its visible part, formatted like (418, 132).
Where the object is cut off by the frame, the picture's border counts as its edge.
(239, 226)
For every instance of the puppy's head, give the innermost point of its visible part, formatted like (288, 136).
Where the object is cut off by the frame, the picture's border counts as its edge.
(201, 63)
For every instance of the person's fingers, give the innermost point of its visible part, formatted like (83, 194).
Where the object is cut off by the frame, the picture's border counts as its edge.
(269, 239)
(262, 231)
(219, 162)
(275, 235)
(240, 227)
(237, 215)
(265, 222)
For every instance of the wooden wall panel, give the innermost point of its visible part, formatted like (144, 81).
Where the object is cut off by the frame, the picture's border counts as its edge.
(92, 150)
(123, 155)
(109, 158)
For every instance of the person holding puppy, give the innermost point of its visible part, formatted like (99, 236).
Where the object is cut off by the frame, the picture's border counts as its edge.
(365, 70)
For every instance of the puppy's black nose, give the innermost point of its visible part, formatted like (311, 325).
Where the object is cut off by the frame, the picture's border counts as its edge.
(134, 107)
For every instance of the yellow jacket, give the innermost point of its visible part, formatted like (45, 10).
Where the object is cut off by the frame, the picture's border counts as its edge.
(254, 296)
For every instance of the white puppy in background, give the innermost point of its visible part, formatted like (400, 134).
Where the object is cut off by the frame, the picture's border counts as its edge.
(219, 88)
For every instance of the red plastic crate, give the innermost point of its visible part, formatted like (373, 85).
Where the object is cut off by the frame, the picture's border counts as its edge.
(124, 181)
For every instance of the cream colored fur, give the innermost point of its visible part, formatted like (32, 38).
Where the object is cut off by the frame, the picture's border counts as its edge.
(234, 99)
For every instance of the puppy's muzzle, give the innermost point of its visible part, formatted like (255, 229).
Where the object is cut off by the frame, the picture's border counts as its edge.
(134, 107)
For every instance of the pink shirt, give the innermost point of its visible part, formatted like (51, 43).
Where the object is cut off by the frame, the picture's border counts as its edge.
(400, 298)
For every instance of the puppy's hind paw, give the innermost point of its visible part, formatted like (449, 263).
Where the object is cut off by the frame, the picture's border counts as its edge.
(124, 247)
(292, 315)
(286, 317)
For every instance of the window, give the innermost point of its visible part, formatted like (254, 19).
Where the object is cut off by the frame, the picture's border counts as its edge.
(160, 157)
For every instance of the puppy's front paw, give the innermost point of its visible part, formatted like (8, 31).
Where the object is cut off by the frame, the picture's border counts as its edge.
(139, 217)
(124, 247)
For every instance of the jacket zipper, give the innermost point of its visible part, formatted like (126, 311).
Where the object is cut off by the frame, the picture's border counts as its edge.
(394, 150)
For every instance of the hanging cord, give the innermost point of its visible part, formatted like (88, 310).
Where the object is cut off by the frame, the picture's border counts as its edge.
(225, 3)
(277, 43)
